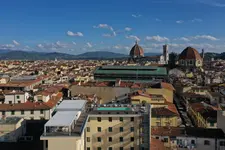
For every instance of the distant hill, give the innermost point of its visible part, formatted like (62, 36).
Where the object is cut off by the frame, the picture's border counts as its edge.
(2, 51)
(32, 55)
(152, 54)
(24, 55)
(100, 55)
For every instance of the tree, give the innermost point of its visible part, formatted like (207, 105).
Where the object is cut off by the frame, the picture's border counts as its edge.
(172, 60)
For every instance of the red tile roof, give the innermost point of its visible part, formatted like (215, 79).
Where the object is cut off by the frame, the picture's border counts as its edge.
(32, 105)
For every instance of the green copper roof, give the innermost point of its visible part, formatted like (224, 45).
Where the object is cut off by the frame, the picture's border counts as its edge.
(114, 108)
(131, 70)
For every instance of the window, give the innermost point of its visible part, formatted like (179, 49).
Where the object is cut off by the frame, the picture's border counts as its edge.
(99, 148)
(192, 141)
(22, 112)
(121, 118)
(32, 112)
(132, 139)
(158, 124)
(110, 139)
(121, 139)
(99, 139)
(165, 140)
(131, 148)
(206, 142)
(31, 118)
(110, 148)
(88, 119)
(131, 129)
(99, 119)
(13, 112)
(157, 137)
(211, 124)
(88, 139)
(110, 129)
(17, 97)
(41, 111)
(222, 143)
(19, 102)
(110, 119)
(132, 119)
(121, 148)
(10, 102)
(3, 113)
(46, 144)
(99, 129)
(88, 148)
(121, 129)
(88, 129)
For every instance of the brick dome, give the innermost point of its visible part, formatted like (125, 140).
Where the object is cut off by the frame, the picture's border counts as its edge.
(190, 53)
(136, 51)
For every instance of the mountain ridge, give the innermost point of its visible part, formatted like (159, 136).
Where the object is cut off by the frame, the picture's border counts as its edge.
(33, 55)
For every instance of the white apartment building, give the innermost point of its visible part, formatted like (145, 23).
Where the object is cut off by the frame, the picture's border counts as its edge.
(31, 110)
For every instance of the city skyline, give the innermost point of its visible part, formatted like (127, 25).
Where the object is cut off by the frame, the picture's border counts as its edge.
(82, 26)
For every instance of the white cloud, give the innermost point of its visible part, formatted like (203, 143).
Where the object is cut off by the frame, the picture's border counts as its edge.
(106, 26)
(136, 15)
(157, 38)
(184, 39)
(198, 37)
(7, 46)
(74, 43)
(117, 47)
(128, 29)
(133, 37)
(127, 47)
(15, 42)
(179, 21)
(70, 33)
(40, 46)
(214, 3)
(196, 20)
(207, 37)
(52, 46)
(89, 45)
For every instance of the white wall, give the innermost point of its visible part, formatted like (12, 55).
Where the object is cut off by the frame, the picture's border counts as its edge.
(221, 120)
(28, 116)
(13, 98)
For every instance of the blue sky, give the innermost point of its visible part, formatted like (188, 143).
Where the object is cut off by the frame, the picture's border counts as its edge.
(77, 26)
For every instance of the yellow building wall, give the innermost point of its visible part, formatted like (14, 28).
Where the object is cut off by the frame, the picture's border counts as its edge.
(64, 143)
(164, 121)
(93, 124)
(168, 94)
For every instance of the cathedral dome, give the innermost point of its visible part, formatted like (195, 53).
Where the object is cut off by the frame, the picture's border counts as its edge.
(136, 51)
(190, 53)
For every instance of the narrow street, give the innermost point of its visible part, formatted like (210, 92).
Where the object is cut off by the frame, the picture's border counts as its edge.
(183, 114)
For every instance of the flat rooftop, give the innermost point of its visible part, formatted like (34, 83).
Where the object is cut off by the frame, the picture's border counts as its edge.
(10, 120)
(131, 70)
(63, 118)
(71, 105)
(116, 109)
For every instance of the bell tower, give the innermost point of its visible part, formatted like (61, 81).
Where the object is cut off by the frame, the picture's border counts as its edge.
(166, 53)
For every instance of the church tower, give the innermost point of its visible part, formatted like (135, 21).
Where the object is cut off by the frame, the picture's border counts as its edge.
(166, 53)
(203, 54)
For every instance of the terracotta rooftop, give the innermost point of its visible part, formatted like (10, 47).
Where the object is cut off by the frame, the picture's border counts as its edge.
(32, 105)
(190, 53)
(157, 144)
(162, 111)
